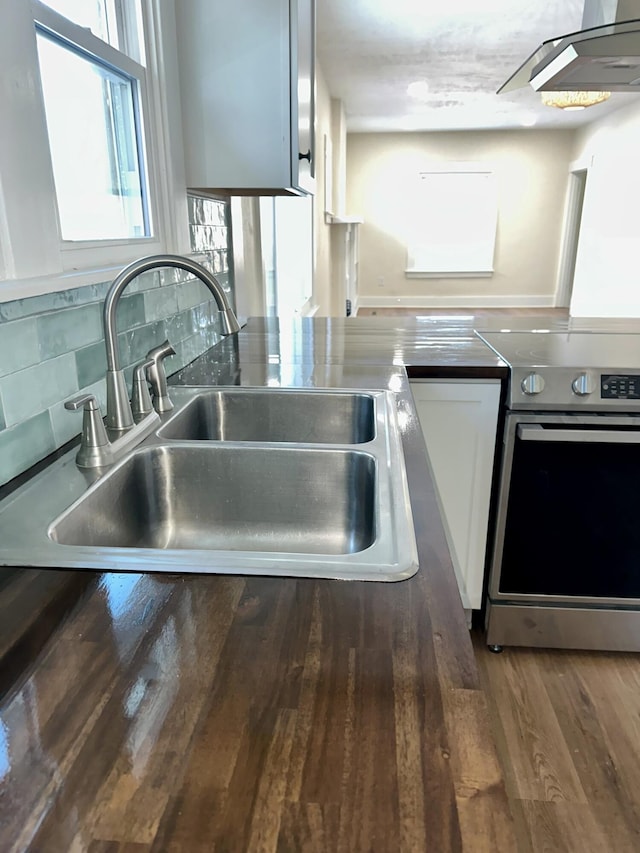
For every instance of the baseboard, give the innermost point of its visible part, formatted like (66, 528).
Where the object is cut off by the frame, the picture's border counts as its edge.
(519, 301)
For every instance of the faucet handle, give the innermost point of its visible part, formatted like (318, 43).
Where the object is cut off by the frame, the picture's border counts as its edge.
(158, 377)
(88, 401)
(94, 443)
(141, 404)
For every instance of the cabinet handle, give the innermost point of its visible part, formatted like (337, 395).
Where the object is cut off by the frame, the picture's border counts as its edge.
(306, 156)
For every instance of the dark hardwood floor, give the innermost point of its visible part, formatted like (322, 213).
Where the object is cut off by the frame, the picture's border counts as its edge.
(566, 723)
(567, 729)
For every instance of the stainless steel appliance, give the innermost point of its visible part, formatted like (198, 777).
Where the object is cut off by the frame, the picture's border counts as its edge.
(565, 571)
(603, 55)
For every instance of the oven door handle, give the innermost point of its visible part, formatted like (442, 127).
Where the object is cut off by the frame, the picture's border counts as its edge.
(536, 432)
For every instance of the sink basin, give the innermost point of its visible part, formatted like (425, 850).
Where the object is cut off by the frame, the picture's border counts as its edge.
(304, 483)
(275, 415)
(252, 499)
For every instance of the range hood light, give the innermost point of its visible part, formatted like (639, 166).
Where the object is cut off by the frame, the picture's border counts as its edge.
(573, 100)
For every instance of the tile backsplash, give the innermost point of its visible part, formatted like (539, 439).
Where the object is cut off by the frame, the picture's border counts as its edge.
(52, 346)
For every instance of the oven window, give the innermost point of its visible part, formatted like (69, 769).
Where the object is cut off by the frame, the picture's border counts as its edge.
(573, 520)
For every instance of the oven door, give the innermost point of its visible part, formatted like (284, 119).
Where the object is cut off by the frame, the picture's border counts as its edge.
(568, 524)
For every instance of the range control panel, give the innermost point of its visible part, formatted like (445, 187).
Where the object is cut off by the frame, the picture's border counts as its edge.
(620, 386)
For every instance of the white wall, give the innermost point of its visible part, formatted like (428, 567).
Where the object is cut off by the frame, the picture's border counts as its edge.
(607, 273)
(321, 231)
(531, 169)
(339, 151)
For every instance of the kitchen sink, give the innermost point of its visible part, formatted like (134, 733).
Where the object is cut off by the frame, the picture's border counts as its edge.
(247, 481)
(228, 498)
(275, 415)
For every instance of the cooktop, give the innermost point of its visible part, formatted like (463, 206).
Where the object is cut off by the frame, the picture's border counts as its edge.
(570, 370)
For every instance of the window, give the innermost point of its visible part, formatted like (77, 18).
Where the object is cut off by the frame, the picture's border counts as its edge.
(99, 16)
(114, 22)
(91, 94)
(286, 225)
(93, 127)
(89, 152)
(456, 212)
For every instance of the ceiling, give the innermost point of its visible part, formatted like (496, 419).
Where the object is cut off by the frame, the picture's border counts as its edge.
(371, 50)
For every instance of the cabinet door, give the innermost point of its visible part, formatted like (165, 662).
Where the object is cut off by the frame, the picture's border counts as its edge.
(247, 93)
(459, 422)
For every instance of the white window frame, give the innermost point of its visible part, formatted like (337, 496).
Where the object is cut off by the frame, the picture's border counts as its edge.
(33, 257)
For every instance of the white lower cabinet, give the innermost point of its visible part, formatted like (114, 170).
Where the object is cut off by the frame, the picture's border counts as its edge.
(459, 421)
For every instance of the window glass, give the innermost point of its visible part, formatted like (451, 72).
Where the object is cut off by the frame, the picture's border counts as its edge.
(286, 229)
(99, 16)
(92, 124)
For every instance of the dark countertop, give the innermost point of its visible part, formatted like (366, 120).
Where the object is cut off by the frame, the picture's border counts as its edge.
(174, 713)
(264, 352)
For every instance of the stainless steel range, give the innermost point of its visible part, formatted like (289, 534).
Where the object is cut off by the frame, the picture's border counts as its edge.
(565, 571)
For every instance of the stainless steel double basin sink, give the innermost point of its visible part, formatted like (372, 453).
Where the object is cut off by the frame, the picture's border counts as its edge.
(285, 482)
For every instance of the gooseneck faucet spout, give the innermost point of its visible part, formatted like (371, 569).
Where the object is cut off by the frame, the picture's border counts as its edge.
(119, 416)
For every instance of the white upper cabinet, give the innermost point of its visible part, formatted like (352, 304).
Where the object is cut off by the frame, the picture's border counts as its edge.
(247, 90)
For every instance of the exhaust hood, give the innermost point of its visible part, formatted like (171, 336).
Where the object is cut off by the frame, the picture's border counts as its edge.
(601, 56)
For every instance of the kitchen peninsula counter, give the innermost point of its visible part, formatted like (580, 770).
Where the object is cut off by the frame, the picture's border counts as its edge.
(188, 713)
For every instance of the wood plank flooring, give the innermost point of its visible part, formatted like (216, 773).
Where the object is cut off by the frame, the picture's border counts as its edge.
(566, 723)
(567, 729)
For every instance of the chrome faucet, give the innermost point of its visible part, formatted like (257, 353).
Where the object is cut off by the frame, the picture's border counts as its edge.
(119, 416)
(130, 426)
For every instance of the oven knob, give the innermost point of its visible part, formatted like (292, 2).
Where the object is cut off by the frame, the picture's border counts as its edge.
(532, 384)
(583, 385)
